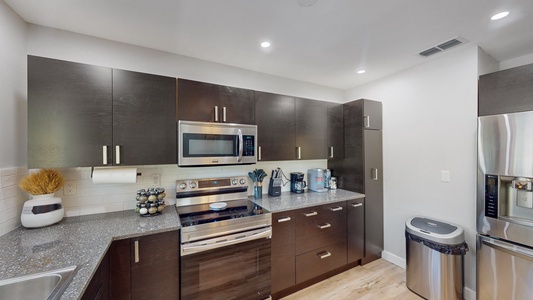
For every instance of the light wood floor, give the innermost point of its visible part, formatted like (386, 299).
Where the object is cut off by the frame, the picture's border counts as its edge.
(379, 279)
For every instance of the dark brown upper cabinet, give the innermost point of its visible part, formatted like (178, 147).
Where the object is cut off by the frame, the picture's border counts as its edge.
(335, 131)
(82, 115)
(206, 102)
(274, 116)
(506, 91)
(311, 129)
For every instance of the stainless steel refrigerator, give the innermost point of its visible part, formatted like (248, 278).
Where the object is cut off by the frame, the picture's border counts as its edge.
(505, 206)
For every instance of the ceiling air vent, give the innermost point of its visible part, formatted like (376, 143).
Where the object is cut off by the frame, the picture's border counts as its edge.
(443, 46)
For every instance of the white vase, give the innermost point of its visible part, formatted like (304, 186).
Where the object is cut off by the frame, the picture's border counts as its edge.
(42, 210)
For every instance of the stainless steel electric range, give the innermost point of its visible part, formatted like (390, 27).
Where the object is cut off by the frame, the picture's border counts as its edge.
(225, 240)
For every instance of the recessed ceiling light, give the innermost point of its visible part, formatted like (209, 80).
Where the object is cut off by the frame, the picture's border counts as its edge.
(361, 71)
(265, 44)
(499, 16)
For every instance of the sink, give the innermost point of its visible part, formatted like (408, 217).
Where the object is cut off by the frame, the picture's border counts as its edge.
(46, 285)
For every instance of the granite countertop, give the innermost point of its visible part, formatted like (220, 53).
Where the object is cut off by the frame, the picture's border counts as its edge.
(81, 241)
(289, 201)
(84, 240)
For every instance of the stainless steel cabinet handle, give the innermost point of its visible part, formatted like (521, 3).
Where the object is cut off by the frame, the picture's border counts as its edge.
(286, 219)
(216, 113)
(366, 121)
(330, 152)
(327, 225)
(259, 153)
(298, 152)
(136, 245)
(374, 174)
(104, 155)
(223, 114)
(310, 214)
(335, 208)
(323, 255)
(357, 204)
(117, 154)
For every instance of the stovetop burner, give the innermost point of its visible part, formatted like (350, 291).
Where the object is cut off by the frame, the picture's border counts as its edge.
(202, 213)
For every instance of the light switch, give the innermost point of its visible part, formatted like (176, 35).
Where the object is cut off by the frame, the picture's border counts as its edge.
(445, 176)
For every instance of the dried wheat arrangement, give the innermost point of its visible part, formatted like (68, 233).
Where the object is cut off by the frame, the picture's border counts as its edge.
(46, 181)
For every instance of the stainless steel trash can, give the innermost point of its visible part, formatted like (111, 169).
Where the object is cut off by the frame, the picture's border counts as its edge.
(435, 258)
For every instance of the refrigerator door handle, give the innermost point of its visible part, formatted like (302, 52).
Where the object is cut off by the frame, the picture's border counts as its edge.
(505, 247)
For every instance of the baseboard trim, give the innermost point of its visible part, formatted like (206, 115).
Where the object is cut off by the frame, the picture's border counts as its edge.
(395, 259)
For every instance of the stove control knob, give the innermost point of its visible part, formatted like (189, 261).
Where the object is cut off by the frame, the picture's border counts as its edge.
(183, 186)
(234, 182)
(192, 185)
(242, 181)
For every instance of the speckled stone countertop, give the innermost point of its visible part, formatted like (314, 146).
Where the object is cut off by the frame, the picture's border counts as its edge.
(289, 201)
(80, 241)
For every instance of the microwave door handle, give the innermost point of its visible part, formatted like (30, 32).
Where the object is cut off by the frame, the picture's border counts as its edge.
(240, 146)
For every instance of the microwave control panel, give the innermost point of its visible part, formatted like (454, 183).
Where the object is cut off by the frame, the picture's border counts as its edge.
(491, 196)
(248, 148)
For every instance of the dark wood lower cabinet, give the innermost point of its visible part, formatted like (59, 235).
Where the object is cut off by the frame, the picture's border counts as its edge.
(320, 261)
(98, 288)
(283, 272)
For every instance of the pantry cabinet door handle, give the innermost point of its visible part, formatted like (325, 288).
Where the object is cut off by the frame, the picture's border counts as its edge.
(310, 214)
(357, 204)
(366, 123)
(330, 152)
(324, 254)
(374, 173)
(327, 225)
(335, 208)
(136, 245)
(259, 152)
(223, 114)
(216, 113)
(104, 155)
(117, 154)
(286, 219)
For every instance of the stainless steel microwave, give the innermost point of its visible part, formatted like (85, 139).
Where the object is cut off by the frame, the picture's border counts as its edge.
(209, 144)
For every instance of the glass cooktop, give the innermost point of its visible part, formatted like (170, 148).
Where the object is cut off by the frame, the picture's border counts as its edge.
(218, 211)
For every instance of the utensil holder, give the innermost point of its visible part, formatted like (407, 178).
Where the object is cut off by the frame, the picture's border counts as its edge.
(258, 190)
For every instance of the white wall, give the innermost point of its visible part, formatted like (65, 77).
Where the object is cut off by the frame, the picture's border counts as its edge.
(516, 62)
(12, 116)
(429, 126)
(53, 43)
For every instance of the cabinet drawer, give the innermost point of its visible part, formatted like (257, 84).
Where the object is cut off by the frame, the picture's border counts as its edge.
(320, 261)
(319, 226)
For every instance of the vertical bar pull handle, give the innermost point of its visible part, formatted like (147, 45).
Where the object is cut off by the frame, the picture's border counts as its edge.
(374, 173)
(223, 114)
(136, 245)
(104, 155)
(259, 152)
(331, 152)
(117, 154)
(216, 113)
(298, 152)
(366, 121)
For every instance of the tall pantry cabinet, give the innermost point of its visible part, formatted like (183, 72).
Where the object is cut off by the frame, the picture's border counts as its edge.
(361, 169)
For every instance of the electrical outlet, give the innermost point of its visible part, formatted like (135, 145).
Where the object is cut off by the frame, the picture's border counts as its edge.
(156, 179)
(69, 188)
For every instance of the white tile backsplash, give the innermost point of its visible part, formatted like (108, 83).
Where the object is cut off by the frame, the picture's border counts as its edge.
(12, 198)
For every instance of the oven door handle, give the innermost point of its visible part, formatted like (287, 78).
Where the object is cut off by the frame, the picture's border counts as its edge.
(240, 146)
(229, 240)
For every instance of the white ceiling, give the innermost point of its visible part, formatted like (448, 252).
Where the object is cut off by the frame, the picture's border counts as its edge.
(325, 43)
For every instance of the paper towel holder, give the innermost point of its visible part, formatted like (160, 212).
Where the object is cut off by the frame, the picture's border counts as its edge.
(92, 171)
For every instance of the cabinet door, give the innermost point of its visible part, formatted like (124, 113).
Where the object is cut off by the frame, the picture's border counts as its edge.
(155, 266)
(506, 91)
(98, 288)
(69, 113)
(335, 131)
(319, 261)
(311, 129)
(238, 104)
(372, 114)
(355, 226)
(274, 115)
(120, 270)
(144, 125)
(283, 272)
(196, 100)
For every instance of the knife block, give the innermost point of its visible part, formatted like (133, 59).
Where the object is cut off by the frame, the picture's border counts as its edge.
(274, 187)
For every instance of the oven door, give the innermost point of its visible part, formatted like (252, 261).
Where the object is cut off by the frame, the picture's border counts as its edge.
(202, 143)
(232, 271)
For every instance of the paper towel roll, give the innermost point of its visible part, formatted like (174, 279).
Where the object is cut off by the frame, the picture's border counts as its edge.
(114, 175)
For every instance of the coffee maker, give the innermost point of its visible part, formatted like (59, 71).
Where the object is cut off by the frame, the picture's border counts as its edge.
(297, 182)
